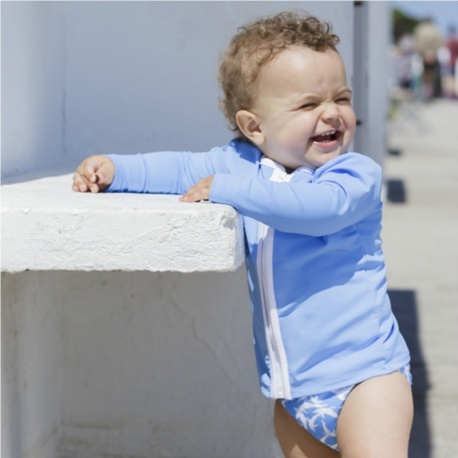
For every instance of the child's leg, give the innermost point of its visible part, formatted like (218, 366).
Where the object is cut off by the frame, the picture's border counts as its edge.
(376, 419)
(295, 441)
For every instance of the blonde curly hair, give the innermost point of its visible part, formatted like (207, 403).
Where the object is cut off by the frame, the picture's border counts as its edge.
(256, 44)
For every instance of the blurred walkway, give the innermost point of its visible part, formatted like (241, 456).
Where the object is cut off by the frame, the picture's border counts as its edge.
(421, 246)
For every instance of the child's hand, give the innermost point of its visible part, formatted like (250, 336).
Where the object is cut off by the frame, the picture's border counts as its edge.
(94, 174)
(200, 191)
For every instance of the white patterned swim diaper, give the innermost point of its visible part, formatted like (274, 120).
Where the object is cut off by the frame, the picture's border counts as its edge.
(318, 413)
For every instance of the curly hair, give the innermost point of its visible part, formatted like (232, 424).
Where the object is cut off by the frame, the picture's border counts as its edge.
(256, 44)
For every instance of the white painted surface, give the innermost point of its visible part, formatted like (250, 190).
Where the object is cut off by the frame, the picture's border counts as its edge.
(142, 76)
(122, 77)
(33, 85)
(165, 370)
(124, 363)
(32, 366)
(371, 77)
(131, 364)
(378, 71)
(47, 226)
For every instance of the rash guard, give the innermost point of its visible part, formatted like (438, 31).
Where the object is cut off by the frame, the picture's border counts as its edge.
(322, 317)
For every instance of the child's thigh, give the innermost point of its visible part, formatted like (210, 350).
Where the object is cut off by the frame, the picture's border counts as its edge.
(376, 419)
(295, 441)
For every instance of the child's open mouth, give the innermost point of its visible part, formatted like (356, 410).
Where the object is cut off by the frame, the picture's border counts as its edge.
(327, 137)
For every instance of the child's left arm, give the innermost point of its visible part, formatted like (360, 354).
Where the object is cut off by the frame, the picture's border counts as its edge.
(343, 192)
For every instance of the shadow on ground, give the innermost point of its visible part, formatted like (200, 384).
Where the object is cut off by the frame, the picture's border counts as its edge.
(405, 308)
(396, 191)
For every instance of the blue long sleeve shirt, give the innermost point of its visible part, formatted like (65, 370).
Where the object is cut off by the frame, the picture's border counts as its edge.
(322, 318)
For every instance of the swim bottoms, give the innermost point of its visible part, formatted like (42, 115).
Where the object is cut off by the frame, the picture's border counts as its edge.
(318, 413)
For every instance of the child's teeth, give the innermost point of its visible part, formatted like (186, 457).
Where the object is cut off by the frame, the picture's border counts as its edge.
(324, 137)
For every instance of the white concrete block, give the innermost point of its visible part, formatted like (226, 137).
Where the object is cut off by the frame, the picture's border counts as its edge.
(160, 365)
(32, 369)
(47, 226)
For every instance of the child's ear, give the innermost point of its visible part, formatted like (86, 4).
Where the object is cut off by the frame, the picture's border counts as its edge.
(249, 124)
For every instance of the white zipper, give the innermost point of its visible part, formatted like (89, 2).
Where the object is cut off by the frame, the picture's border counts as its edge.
(280, 386)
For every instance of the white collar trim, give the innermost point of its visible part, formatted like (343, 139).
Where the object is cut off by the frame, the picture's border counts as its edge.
(275, 165)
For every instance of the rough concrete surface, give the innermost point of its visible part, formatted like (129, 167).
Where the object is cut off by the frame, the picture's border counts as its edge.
(47, 226)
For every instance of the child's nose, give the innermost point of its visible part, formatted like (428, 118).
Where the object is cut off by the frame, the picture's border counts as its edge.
(330, 111)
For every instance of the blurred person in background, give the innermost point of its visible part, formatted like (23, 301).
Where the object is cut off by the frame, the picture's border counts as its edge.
(452, 47)
(428, 40)
(404, 64)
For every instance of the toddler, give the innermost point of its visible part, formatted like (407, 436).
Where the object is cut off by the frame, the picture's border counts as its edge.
(328, 348)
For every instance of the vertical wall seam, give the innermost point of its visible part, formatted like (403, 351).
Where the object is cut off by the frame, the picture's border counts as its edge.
(64, 84)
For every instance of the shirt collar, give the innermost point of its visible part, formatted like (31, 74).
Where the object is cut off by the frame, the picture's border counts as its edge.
(276, 166)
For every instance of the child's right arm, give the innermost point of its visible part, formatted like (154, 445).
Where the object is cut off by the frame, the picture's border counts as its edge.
(159, 172)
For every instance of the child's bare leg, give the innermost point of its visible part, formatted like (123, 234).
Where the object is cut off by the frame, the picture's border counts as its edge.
(295, 441)
(376, 419)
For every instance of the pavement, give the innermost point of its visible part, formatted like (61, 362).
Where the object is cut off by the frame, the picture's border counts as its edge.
(420, 240)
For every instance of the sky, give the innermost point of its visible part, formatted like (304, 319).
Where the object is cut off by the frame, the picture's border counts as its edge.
(443, 13)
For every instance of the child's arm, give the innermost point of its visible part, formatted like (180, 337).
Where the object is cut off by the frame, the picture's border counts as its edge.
(161, 172)
(344, 192)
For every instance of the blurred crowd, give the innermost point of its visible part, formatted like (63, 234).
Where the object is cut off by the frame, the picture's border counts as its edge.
(426, 63)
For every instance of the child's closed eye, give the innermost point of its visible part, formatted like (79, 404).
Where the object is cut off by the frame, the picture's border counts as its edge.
(343, 100)
(308, 106)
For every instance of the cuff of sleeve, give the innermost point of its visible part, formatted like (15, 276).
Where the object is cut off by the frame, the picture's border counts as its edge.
(118, 175)
(130, 173)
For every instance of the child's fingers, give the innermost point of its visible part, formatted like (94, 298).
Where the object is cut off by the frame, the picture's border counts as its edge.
(89, 171)
(104, 173)
(190, 197)
(81, 182)
(193, 194)
(200, 191)
(92, 174)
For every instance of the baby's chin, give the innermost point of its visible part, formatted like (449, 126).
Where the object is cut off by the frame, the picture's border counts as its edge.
(324, 158)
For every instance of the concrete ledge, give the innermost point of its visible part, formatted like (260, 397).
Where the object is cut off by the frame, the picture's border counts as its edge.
(46, 226)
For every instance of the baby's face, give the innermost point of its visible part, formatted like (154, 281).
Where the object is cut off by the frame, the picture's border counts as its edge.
(303, 107)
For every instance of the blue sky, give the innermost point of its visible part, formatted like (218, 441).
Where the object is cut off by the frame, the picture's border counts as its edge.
(442, 12)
